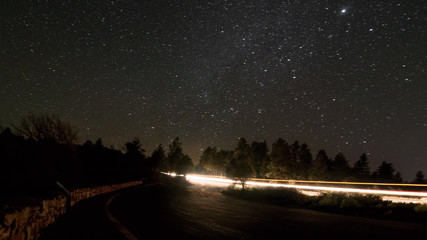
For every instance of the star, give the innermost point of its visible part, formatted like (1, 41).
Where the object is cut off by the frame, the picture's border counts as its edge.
(147, 69)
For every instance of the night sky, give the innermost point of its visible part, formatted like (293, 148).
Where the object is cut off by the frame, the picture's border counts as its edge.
(344, 76)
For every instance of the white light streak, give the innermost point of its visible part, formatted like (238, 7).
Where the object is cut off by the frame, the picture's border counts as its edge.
(339, 189)
(173, 174)
(213, 181)
(389, 195)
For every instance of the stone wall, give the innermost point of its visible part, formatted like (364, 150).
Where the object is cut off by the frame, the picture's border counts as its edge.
(27, 222)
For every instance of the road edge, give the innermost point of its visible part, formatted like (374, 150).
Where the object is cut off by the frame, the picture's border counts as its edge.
(119, 226)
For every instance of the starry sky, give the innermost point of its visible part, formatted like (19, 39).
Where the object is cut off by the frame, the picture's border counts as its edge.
(344, 76)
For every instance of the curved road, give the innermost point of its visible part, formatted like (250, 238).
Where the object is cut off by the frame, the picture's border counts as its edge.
(173, 211)
(196, 213)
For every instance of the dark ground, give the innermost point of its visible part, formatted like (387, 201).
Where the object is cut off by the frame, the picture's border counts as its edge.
(85, 220)
(174, 211)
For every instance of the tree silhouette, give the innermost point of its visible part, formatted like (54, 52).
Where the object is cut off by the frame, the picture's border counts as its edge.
(419, 178)
(361, 170)
(13, 150)
(158, 159)
(134, 148)
(135, 161)
(40, 151)
(294, 163)
(398, 177)
(306, 159)
(207, 160)
(175, 154)
(222, 160)
(185, 165)
(214, 160)
(178, 162)
(340, 169)
(385, 173)
(258, 158)
(321, 166)
(45, 127)
(239, 166)
(101, 165)
(280, 158)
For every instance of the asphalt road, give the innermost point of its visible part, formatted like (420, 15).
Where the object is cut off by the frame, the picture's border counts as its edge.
(173, 211)
(86, 220)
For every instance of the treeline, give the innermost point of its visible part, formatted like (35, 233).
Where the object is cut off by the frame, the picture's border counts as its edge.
(42, 150)
(293, 161)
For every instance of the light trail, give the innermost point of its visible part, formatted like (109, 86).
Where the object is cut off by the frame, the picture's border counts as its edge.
(390, 195)
(339, 189)
(212, 181)
(344, 183)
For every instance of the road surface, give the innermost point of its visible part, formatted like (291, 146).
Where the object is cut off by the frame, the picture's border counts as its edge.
(85, 221)
(172, 211)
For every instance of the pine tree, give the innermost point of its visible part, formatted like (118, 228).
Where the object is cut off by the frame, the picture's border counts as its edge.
(306, 159)
(134, 159)
(294, 163)
(321, 166)
(175, 154)
(258, 155)
(239, 166)
(385, 172)
(177, 160)
(158, 159)
(361, 169)
(419, 178)
(340, 168)
(280, 158)
(207, 160)
(185, 165)
(398, 177)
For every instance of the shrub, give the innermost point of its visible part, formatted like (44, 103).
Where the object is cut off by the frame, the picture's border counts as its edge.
(368, 200)
(349, 203)
(421, 208)
(273, 195)
(330, 200)
(342, 200)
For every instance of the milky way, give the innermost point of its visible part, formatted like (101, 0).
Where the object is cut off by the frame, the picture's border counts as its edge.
(344, 76)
